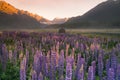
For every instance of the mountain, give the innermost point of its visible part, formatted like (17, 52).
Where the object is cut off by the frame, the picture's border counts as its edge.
(59, 20)
(7, 8)
(37, 17)
(56, 21)
(104, 15)
(10, 17)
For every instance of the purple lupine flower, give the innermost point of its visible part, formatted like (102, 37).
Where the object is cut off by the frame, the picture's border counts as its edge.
(22, 73)
(41, 62)
(27, 57)
(44, 64)
(23, 62)
(36, 64)
(82, 47)
(70, 60)
(107, 65)
(80, 75)
(52, 70)
(94, 68)
(100, 66)
(114, 61)
(96, 54)
(80, 61)
(111, 74)
(4, 57)
(118, 46)
(46, 69)
(118, 72)
(57, 52)
(61, 63)
(90, 73)
(40, 77)
(34, 75)
(86, 60)
(101, 51)
(68, 72)
(15, 56)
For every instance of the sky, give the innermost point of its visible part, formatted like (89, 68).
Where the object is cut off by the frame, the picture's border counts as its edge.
(51, 9)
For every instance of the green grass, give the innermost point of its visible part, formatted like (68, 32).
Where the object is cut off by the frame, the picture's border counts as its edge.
(108, 33)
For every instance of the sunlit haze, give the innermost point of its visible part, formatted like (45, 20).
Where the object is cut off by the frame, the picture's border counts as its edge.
(55, 8)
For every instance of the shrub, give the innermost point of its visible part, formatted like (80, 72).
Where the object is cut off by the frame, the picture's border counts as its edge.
(61, 30)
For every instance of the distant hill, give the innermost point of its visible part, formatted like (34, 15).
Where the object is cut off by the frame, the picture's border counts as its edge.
(10, 17)
(104, 15)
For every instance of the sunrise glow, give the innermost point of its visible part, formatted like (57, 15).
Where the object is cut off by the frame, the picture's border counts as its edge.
(55, 8)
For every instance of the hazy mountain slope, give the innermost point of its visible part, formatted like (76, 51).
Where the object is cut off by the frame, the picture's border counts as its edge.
(104, 15)
(10, 17)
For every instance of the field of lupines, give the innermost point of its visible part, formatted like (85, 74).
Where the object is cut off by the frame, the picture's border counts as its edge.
(54, 56)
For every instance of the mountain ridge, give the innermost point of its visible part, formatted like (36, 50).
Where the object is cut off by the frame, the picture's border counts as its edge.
(9, 9)
(11, 17)
(104, 15)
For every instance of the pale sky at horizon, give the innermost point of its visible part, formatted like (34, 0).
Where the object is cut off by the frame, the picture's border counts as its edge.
(55, 8)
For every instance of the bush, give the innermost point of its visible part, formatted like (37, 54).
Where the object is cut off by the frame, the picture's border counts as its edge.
(61, 30)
